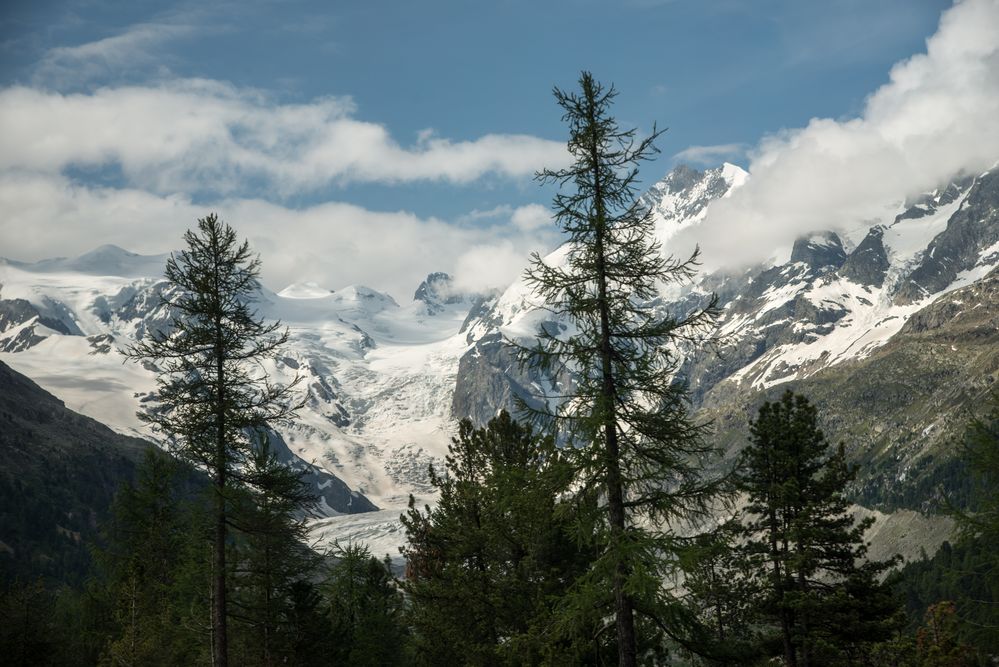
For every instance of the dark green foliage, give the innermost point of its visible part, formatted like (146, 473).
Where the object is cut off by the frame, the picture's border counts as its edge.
(28, 631)
(270, 558)
(625, 417)
(365, 609)
(980, 521)
(153, 579)
(488, 563)
(723, 592)
(822, 595)
(964, 574)
(213, 400)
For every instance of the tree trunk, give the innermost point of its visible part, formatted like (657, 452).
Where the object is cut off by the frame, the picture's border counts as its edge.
(790, 657)
(803, 620)
(220, 611)
(627, 651)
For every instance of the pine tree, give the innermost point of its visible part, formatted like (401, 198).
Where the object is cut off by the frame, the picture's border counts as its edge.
(365, 609)
(212, 394)
(826, 598)
(626, 417)
(485, 564)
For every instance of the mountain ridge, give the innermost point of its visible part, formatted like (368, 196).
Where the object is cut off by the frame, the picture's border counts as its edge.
(386, 382)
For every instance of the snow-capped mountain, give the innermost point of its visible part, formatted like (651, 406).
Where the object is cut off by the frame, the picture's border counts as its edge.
(899, 298)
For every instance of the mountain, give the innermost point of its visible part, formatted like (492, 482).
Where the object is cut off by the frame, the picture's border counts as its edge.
(59, 472)
(892, 328)
(889, 325)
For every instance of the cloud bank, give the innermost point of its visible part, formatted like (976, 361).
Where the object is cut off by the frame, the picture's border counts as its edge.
(937, 116)
(137, 164)
(183, 135)
(333, 244)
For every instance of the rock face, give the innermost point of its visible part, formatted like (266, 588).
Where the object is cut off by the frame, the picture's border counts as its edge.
(489, 380)
(332, 495)
(868, 263)
(820, 252)
(971, 236)
(27, 324)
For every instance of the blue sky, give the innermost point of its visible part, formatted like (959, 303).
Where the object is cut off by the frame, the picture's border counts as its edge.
(436, 113)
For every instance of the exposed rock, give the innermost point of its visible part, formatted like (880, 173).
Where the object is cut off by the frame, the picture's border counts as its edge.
(436, 291)
(970, 231)
(820, 252)
(868, 263)
(489, 380)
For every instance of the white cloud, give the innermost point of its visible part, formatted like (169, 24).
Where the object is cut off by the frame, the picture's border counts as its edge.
(133, 48)
(484, 266)
(531, 217)
(936, 117)
(710, 155)
(206, 136)
(332, 244)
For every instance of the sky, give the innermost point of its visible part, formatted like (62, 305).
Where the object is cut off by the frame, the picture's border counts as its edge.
(373, 142)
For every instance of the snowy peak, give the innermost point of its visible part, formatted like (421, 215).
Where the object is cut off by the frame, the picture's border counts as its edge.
(436, 292)
(682, 197)
(306, 290)
(106, 260)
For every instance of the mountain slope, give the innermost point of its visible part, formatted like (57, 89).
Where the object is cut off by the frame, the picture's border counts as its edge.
(59, 472)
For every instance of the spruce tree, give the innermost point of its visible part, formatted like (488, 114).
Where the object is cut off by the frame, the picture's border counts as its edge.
(626, 416)
(212, 395)
(825, 597)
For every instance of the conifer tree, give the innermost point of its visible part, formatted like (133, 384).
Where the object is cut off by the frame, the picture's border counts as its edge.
(626, 416)
(826, 598)
(485, 564)
(981, 451)
(365, 609)
(145, 547)
(271, 554)
(722, 590)
(212, 393)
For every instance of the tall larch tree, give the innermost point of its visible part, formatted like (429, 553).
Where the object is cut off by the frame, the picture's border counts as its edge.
(213, 397)
(626, 417)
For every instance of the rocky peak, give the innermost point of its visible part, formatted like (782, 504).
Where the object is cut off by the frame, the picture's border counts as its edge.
(436, 291)
(868, 263)
(685, 192)
(682, 178)
(968, 241)
(822, 251)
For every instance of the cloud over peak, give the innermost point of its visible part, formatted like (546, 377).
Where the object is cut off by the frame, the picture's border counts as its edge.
(935, 118)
